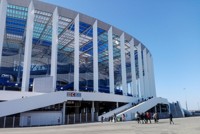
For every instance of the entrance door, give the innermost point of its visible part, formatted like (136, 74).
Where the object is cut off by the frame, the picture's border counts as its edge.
(29, 121)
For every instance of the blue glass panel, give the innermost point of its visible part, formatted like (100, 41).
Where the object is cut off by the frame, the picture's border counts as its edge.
(44, 43)
(100, 31)
(17, 21)
(102, 48)
(83, 27)
(71, 27)
(89, 33)
(15, 26)
(90, 52)
(86, 47)
(19, 32)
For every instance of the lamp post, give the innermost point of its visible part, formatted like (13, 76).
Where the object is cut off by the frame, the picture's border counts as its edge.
(185, 99)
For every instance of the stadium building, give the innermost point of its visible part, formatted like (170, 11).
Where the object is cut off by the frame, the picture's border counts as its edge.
(59, 66)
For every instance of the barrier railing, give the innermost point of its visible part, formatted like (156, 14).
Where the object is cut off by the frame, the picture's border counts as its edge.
(13, 121)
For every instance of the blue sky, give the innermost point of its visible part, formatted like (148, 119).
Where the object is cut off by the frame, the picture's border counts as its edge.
(170, 29)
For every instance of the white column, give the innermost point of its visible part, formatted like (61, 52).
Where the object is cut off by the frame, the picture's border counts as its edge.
(92, 111)
(133, 73)
(169, 108)
(138, 88)
(68, 119)
(95, 58)
(4, 122)
(117, 104)
(28, 48)
(123, 65)
(155, 108)
(140, 71)
(149, 75)
(13, 124)
(74, 118)
(111, 66)
(76, 54)
(3, 9)
(146, 82)
(152, 77)
(86, 115)
(63, 112)
(54, 47)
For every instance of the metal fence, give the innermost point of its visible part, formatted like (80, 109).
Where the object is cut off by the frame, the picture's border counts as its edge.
(12, 121)
(80, 118)
(7, 122)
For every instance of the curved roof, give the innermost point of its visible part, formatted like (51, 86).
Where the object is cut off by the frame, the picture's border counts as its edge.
(14, 39)
(64, 12)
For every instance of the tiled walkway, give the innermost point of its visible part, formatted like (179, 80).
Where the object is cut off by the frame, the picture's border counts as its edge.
(181, 126)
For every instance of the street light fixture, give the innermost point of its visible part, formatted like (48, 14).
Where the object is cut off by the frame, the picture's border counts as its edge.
(185, 99)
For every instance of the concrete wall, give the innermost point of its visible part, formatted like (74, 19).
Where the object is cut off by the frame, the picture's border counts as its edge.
(41, 118)
(43, 85)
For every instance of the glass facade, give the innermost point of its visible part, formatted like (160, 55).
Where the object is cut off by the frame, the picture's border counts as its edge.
(103, 61)
(14, 46)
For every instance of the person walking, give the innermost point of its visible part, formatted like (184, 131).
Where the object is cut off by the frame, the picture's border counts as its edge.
(101, 119)
(142, 118)
(148, 117)
(137, 116)
(114, 118)
(155, 117)
(123, 117)
(171, 118)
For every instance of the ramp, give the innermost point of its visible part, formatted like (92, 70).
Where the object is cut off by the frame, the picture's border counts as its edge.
(30, 103)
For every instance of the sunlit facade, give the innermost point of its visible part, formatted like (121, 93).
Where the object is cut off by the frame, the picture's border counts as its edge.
(75, 49)
(79, 53)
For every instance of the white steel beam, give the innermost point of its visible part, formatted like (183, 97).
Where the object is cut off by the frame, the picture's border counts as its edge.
(76, 54)
(146, 81)
(54, 47)
(110, 56)
(123, 64)
(92, 111)
(133, 73)
(149, 74)
(95, 58)
(152, 77)
(140, 71)
(63, 113)
(28, 48)
(3, 9)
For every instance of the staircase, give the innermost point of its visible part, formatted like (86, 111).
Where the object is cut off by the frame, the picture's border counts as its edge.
(176, 110)
(115, 111)
(142, 107)
(129, 110)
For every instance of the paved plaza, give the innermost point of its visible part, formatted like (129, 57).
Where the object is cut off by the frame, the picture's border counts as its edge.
(181, 126)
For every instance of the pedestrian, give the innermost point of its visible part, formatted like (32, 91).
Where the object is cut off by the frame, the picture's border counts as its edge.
(142, 118)
(123, 117)
(137, 116)
(148, 117)
(145, 118)
(114, 118)
(101, 119)
(171, 118)
(155, 117)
